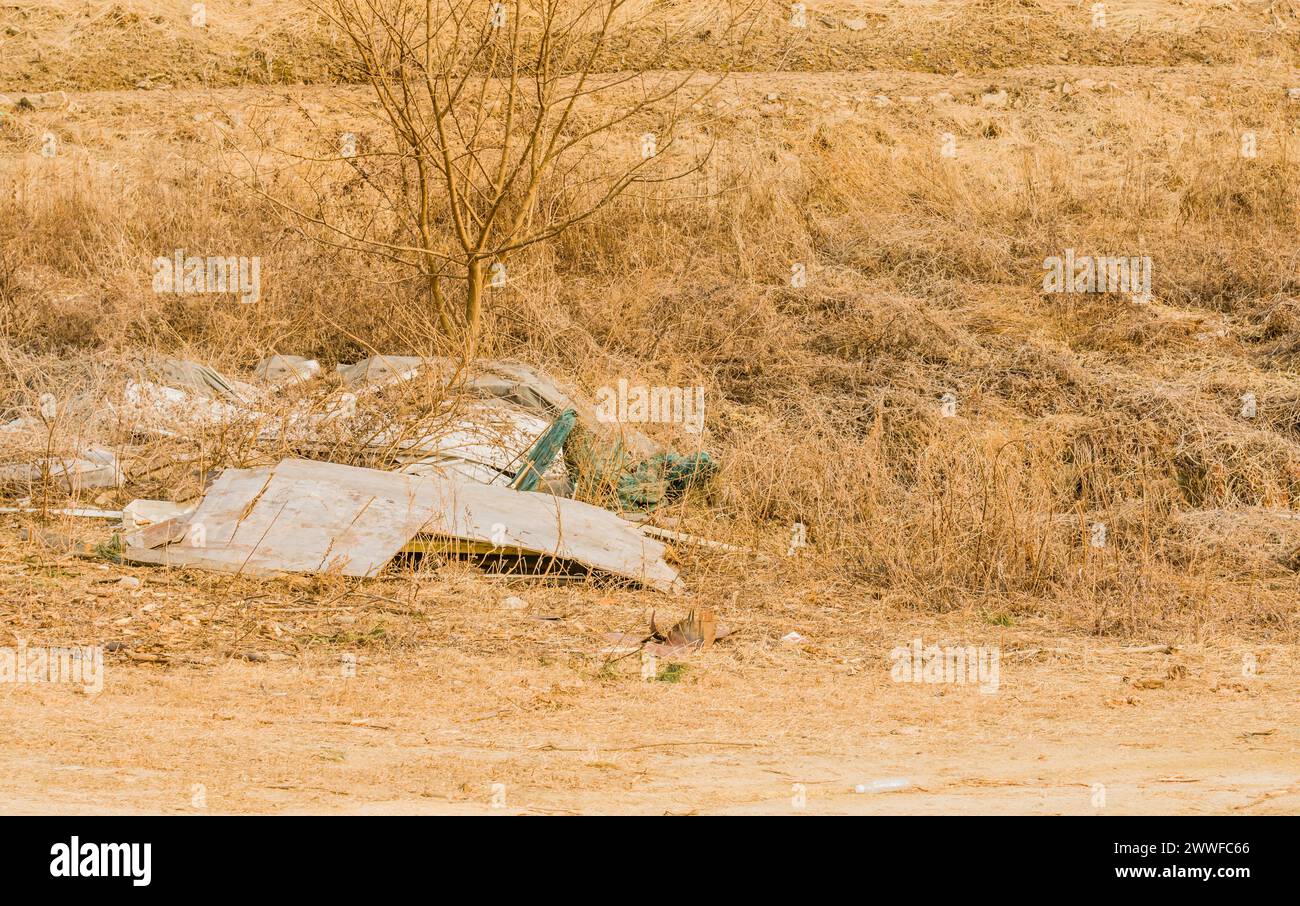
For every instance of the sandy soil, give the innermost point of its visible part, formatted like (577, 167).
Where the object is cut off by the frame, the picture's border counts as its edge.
(462, 694)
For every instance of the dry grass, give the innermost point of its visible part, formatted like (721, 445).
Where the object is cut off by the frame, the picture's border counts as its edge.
(823, 401)
(62, 44)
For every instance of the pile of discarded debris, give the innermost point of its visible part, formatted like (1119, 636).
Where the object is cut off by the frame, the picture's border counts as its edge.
(492, 469)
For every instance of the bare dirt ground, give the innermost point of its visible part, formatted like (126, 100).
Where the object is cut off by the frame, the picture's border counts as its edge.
(230, 697)
(411, 738)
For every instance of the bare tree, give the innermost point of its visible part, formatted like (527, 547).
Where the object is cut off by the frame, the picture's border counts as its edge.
(504, 124)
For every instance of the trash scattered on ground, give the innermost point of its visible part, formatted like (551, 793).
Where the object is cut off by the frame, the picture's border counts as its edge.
(305, 516)
(200, 380)
(648, 483)
(92, 467)
(494, 444)
(299, 516)
(793, 638)
(82, 512)
(157, 534)
(381, 369)
(1250, 733)
(160, 409)
(886, 785)
(139, 513)
(514, 602)
(684, 538)
(692, 633)
(287, 369)
(538, 457)
(487, 468)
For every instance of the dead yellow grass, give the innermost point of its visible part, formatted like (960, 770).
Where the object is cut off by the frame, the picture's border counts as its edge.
(61, 44)
(925, 278)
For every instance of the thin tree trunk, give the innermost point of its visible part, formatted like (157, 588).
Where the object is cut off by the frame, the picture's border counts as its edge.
(439, 304)
(473, 306)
